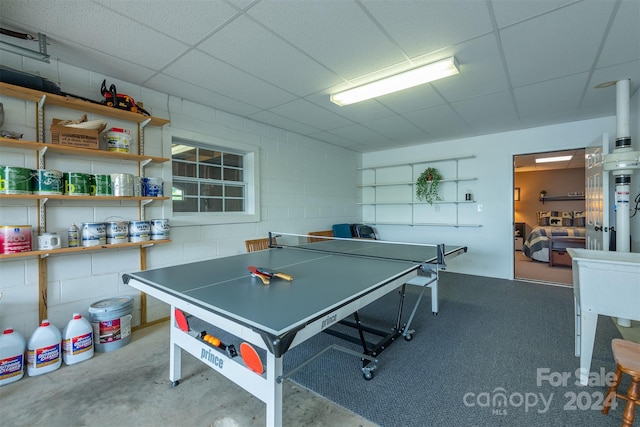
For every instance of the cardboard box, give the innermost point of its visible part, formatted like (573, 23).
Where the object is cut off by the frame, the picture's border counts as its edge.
(75, 137)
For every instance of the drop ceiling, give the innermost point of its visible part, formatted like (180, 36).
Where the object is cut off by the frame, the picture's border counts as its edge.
(523, 63)
(527, 162)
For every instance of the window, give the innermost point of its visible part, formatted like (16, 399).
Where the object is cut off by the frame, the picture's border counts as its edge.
(213, 180)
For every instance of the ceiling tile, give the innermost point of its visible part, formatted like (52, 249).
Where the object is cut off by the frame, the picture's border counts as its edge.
(501, 115)
(422, 27)
(508, 12)
(181, 89)
(304, 111)
(566, 46)
(623, 41)
(557, 95)
(249, 47)
(325, 31)
(437, 121)
(219, 77)
(188, 21)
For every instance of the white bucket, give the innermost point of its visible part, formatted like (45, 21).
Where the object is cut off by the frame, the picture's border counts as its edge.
(77, 340)
(44, 351)
(117, 232)
(139, 231)
(12, 347)
(111, 322)
(118, 140)
(160, 229)
(93, 234)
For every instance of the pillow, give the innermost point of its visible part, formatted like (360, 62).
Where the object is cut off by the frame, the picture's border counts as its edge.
(544, 218)
(567, 219)
(579, 219)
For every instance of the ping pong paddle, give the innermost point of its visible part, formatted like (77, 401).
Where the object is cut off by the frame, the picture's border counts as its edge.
(255, 273)
(251, 358)
(181, 320)
(270, 273)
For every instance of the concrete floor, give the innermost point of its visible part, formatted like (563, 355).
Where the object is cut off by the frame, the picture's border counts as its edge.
(130, 386)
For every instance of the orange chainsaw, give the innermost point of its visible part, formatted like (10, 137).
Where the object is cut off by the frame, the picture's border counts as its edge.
(120, 100)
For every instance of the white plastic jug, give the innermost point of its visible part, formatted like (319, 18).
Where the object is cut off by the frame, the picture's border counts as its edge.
(44, 353)
(77, 340)
(12, 347)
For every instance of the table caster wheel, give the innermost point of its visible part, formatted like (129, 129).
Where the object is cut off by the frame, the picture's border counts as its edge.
(408, 337)
(435, 313)
(368, 376)
(175, 383)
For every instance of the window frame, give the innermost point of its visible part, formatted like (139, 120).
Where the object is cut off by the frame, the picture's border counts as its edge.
(251, 156)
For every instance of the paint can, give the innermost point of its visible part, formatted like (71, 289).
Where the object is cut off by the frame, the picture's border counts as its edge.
(152, 187)
(160, 229)
(102, 185)
(76, 183)
(15, 239)
(77, 340)
(12, 362)
(122, 184)
(44, 350)
(93, 234)
(117, 232)
(139, 231)
(14, 180)
(47, 181)
(111, 322)
(118, 140)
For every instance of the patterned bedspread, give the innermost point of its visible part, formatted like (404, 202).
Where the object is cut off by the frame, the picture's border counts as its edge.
(536, 246)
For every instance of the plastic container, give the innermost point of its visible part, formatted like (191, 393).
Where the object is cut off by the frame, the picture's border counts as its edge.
(73, 236)
(111, 322)
(44, 353)
(12, 347)
(77, 340)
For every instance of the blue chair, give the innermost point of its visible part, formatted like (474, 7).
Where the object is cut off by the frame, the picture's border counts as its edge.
(342, 231)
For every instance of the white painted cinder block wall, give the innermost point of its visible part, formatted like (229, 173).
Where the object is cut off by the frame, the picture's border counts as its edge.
(305, 185)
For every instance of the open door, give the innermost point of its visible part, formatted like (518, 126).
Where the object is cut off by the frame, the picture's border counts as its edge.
(597, 194)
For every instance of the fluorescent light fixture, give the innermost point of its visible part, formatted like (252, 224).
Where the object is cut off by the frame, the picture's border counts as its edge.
(417, 76)
(553, 159)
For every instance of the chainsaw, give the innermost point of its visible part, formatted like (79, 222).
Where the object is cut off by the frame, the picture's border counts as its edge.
(120, 100)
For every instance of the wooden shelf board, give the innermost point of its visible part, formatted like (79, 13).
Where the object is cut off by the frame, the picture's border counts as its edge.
(68, 197)
(83, 249)
(37, 146)
(77, 104)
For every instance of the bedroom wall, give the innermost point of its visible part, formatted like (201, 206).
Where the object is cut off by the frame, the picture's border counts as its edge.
(556, 183)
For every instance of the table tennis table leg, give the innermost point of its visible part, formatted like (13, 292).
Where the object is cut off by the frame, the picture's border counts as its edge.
(274, 397)
(434, 296)
(175, 354)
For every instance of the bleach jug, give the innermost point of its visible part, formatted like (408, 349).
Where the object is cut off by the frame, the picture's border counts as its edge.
(12, 347)
(44, 353)
(77, 340)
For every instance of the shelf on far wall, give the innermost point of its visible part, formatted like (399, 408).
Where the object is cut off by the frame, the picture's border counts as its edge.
(560, 198)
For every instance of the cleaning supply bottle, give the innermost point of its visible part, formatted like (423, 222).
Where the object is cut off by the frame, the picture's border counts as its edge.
(12, 347)
(77, 340)
(44, 353)
(72, 234)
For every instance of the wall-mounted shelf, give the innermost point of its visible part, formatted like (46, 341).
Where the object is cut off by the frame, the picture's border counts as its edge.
(82, 249)
(560, 198)
(77, 104)
(42, 101)
(84, 152)
(382, 202)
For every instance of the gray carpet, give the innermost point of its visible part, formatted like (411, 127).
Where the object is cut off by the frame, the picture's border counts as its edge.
(490, 337)
(488, 341)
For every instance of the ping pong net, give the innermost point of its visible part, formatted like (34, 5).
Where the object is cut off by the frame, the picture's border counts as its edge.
(367, 248)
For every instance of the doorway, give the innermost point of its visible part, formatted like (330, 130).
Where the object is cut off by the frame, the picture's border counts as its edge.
(562, 181)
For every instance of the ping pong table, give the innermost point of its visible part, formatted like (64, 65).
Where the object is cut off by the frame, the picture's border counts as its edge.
(332, 280)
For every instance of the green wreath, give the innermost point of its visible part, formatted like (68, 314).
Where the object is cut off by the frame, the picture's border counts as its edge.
(427, 185)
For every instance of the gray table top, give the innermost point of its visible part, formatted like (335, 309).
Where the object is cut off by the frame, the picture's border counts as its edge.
(323, 280)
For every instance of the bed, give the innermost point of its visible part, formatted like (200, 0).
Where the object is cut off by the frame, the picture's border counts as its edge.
(553, 224)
